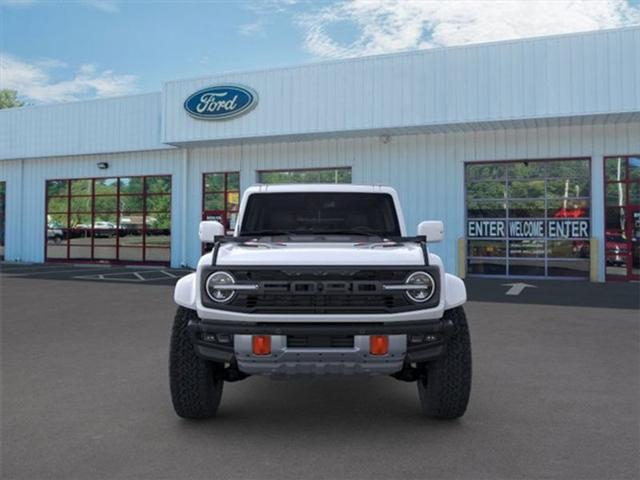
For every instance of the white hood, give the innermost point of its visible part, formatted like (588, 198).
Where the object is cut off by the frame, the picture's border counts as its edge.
(299, 253)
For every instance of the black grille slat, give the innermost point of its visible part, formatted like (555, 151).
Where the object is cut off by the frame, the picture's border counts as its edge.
(320, 341)
(320, 303)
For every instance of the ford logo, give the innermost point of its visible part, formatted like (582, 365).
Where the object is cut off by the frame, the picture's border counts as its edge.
(221, 102)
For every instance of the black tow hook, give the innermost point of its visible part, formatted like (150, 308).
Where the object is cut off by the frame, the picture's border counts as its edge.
(232, 374)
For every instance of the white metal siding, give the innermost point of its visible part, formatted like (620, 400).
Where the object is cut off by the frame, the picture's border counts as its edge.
(426, 169)
(97, 126)
(562, 76)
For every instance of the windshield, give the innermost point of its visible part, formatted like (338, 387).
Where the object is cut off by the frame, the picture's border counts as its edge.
(320, 213)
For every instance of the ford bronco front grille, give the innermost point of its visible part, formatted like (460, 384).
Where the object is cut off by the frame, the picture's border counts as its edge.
(320, 341)
(300, 290)
(318, 303)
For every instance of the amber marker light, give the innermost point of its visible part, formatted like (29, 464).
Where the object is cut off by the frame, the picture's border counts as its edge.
(378, 344)
(261, 345)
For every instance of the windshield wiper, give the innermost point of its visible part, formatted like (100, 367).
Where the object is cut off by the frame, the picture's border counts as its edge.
(362, 233)
(268, 233)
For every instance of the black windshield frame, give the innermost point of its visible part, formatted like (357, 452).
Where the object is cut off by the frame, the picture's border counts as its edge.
(320, 213)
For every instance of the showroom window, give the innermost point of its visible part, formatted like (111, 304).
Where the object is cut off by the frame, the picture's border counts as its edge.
(528, 218)
(119, 219)
(319, 175)
(622, 217)
(3, 187)
(221, 197)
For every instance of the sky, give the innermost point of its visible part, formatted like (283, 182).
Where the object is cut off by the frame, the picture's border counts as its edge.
(57, 51)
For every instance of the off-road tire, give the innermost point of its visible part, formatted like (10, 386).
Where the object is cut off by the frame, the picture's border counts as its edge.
(445, 388)
(196, 384)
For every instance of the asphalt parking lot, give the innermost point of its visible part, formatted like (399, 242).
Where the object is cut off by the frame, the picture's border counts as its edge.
(555, 394)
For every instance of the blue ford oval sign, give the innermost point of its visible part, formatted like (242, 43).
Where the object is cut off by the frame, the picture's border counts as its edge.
(221, 102)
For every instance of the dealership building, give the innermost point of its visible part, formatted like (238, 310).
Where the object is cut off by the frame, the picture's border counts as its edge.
(528, 150)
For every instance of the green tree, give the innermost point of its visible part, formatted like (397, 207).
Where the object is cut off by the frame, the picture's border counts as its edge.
(9, 99)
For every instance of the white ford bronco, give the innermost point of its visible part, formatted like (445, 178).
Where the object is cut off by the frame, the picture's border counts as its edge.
(317, 280)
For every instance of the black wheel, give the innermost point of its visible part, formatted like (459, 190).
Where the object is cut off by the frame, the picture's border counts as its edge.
(196, 384)
(445, 388)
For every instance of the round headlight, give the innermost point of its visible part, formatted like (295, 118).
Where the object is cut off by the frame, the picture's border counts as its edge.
(218, 287)
(421, 285)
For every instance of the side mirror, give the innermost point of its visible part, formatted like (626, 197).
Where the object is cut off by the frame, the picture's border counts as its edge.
(433, 230)
(209, 230)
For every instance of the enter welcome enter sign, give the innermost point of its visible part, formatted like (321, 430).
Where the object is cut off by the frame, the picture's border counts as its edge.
(570, 229)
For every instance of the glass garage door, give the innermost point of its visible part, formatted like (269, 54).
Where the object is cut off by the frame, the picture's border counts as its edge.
(622, 218)
(120, 219)
(528, 218)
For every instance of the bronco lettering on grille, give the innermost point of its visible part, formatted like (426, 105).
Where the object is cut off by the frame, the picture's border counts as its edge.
(332, 287)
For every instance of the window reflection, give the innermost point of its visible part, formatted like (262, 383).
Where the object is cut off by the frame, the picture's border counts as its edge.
(57, 204)
(568, 248)
(131, 203)
(158, 203)
(487, 248)
(128, 254)
(622, 217)
(634, 193)
(487, 266)
(526, 209)
(526, 169)
(57, 187)
(527, 268)
(527, 189)
(558, 268)
(326, 175)
(214, 182)
(81, 204)
(81, 187)
(221, 197)
(634, 168)
(106, 204)
(109, 219)
(490, 209)
(158, 255)
(131, 185)
(106, 186)
(568, 188)
(615, 169)
(485, 171)
(568, 169)
(568, 208)
(525, 197)
(158, 184)
(485, 190)
(56, 244)
(527, 248)
(616, 194)
(214, 201)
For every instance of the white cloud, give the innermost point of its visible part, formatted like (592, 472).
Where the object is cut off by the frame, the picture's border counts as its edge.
(34, 82)
(50, 63)
(387, 26)
(265, 7)
(252, 29)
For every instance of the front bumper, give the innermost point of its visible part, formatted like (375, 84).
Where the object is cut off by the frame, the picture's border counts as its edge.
(409, 342)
